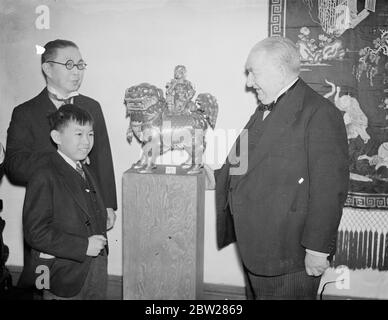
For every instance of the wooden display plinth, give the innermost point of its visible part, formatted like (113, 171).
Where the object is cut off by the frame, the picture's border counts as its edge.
(163, 233)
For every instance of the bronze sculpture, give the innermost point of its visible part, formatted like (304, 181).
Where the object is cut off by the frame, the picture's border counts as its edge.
(174, 123)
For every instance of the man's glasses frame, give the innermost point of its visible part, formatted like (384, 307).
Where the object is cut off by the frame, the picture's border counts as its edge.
(70, 64)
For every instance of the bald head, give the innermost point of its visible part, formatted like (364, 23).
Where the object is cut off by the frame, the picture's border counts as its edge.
(280, 51)
(272, 64)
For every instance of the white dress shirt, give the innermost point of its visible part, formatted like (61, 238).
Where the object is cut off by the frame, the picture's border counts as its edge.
(266, 112)
(68, 160)
(56, 93)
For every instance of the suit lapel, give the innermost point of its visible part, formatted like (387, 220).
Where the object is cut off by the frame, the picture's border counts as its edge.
(38, 124)
(45, 103)
(283, 115)
(70, 178)
(93, 183)
(236, 148)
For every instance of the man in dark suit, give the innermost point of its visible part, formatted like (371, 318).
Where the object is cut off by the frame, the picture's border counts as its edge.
(284, 206)
(28, 140)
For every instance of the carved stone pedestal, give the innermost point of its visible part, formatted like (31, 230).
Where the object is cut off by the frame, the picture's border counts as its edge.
(163, 233)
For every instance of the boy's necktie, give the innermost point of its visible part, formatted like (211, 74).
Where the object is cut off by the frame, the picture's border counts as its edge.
(79, 169)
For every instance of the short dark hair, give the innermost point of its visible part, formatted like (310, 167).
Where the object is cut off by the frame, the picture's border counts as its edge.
(52, 46)
(50, 52)
(68, 113)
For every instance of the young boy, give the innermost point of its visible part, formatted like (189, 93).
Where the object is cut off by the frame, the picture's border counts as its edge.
(64, 217)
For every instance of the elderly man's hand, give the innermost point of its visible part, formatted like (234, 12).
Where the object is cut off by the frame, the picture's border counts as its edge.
(111, 218)
(315, 265)
(210, 180)
(1, 153)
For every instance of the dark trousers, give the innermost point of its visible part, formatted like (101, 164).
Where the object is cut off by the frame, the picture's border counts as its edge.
(293, 286)
(95, 286)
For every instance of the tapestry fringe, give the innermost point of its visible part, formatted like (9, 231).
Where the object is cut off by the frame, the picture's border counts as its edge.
(362, 250)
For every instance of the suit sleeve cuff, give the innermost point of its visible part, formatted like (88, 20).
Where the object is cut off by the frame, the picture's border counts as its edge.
(316, 253)
(2, 153)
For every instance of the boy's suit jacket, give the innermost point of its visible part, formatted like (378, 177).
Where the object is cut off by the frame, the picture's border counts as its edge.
(56, 221)
(28, 142)
(292, 194)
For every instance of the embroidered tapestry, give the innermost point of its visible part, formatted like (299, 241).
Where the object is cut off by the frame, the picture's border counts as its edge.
(343, 46)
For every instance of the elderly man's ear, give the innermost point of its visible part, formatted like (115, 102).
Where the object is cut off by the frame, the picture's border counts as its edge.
(283, 72)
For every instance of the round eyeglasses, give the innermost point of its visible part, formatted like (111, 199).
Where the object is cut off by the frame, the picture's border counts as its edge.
(70, 64)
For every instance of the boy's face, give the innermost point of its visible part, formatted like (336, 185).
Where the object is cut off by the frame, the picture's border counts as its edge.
(74, 140)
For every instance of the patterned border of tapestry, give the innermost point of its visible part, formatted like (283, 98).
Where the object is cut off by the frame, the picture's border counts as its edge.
(343, 46)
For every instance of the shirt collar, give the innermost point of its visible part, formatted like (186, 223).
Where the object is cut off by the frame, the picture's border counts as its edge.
(286, 88)
(60, 96)
(68, 160)
(58, 103)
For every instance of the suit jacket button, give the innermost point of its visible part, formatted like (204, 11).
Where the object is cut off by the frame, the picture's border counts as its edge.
(87, 223)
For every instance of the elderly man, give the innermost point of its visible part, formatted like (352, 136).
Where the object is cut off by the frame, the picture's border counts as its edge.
(284, 207)
(28, 140)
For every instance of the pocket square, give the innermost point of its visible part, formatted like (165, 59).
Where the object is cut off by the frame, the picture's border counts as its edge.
(45, 256)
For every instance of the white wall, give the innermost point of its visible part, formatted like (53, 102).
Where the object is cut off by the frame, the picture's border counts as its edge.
(125, 43)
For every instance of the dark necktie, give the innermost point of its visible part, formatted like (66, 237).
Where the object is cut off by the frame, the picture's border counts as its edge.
(266, 107)
(79, 169)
